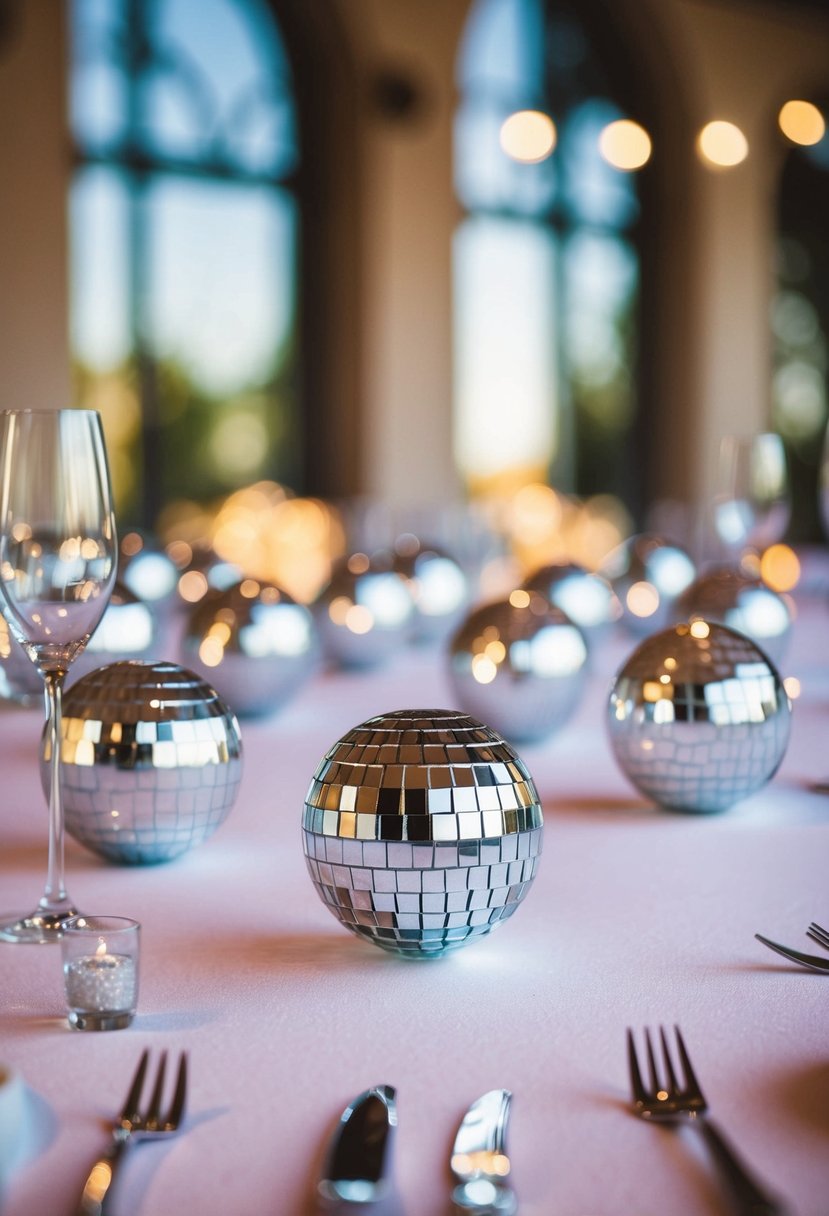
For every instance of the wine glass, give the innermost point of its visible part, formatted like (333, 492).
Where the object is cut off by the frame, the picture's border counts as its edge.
(751, 505)
(58, 558)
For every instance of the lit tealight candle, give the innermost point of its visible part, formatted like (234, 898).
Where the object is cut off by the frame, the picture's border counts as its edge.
(102, 985)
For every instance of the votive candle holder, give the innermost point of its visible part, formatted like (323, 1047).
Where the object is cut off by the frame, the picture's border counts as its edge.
(100, 971)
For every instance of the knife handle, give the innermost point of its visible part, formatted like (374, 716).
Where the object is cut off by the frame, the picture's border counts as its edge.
(99, 1181)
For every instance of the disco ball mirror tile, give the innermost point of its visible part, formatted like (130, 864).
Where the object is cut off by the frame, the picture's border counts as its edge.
(698, 717)
(422, 830)
(151, 760)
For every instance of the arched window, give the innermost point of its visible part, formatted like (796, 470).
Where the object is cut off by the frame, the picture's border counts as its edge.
(800, 324)
(184, 245)
(547, 267)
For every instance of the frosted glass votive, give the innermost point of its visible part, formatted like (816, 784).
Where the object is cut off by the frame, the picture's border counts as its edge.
(100, 971)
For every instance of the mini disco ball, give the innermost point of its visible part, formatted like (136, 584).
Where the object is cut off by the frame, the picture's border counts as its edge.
(648, 573)
(127, 630)
(422, 831)
(253, 643)
(585, 597)
(519, 664)
(151, 761)
(743, 602)
(698, 717)
(364, 615)
(438, 586)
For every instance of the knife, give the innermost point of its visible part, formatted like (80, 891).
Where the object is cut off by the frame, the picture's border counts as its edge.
(358, 1169)
(479, 1158)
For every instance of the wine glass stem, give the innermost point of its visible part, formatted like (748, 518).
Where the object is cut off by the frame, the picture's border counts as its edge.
(54, 896)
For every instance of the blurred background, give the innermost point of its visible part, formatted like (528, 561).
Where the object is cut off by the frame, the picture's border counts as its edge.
(336, 269)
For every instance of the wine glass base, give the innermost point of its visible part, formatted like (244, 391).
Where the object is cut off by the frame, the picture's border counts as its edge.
(37, 928)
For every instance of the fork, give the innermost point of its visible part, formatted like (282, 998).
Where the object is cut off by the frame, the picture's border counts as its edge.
(814, 962)
(672, 1101)
(131, 1125)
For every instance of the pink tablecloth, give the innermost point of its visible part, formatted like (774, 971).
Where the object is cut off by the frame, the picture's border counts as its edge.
(637, 916)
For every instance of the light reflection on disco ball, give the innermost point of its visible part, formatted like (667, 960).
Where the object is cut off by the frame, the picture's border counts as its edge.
(648, 574)
(253, 643)
(438, 586)
(364, 615)
(127, 630)
(146, 569)
(20, 680)
(200, 570)
(151, 760)
(586, 598)
(744, 603)
(698, 717)
(518, 664)
(422, 831)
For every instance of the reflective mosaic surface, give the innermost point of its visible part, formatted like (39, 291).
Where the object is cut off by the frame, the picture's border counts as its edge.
(151, 761)
(365, 614)
(648, 573)
(586, 598)
(422, 830)
(743, 603)
(698, 717)
(520, 665)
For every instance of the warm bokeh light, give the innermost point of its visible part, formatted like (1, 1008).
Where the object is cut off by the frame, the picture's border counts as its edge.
(792, 687)
(528, 136)
(642, 599)
(625, 145)
(780, 568)
(722, 144)
(802, 122)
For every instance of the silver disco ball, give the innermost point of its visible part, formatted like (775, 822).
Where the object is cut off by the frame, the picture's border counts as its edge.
(586, 598)
(698, 717)
(253, 643)
(743, 602)
(422, 831)
(146, 569)
(648, 574)
(20, 680)
(151, 761)
(127, 630)
(438, 586)
(364, 615)
(519, 664)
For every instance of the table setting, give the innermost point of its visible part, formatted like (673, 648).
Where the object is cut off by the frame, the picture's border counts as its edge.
(405, 901)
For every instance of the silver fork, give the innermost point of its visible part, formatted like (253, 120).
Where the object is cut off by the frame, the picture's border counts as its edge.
(131, 1125)
(670, 1100)
(814, 962)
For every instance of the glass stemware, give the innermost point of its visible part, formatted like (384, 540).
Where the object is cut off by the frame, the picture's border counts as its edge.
(58, 558)
(751, 507)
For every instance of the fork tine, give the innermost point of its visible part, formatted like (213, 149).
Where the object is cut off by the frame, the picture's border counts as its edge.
(176, 1111)
(673, 1084)
(129, 1111)
(152, 1116)
(636, 1083)
(655, 1084)
(691, 1082)
(818, 935)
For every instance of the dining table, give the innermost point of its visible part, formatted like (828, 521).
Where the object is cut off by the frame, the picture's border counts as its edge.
(638, 916)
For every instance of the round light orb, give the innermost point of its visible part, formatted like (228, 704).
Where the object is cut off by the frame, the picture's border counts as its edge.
(151, 761)
(253, 643)
(201, 571)
(698, 717)
(438, 586)
(422, 831)
(20, 680)
(519, 664)
(127, 630)
(365, 614)
(730, 597)
(648, 574)
(586, 598)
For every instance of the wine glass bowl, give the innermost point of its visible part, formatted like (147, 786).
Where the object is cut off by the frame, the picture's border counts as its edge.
(58, 559)
(751, 505)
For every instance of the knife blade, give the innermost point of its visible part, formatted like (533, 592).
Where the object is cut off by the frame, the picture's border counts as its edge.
(358, 1169)
(479, 1158)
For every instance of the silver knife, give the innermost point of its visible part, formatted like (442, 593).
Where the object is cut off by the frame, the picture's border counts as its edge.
(358, 1170)
(479, 1158)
